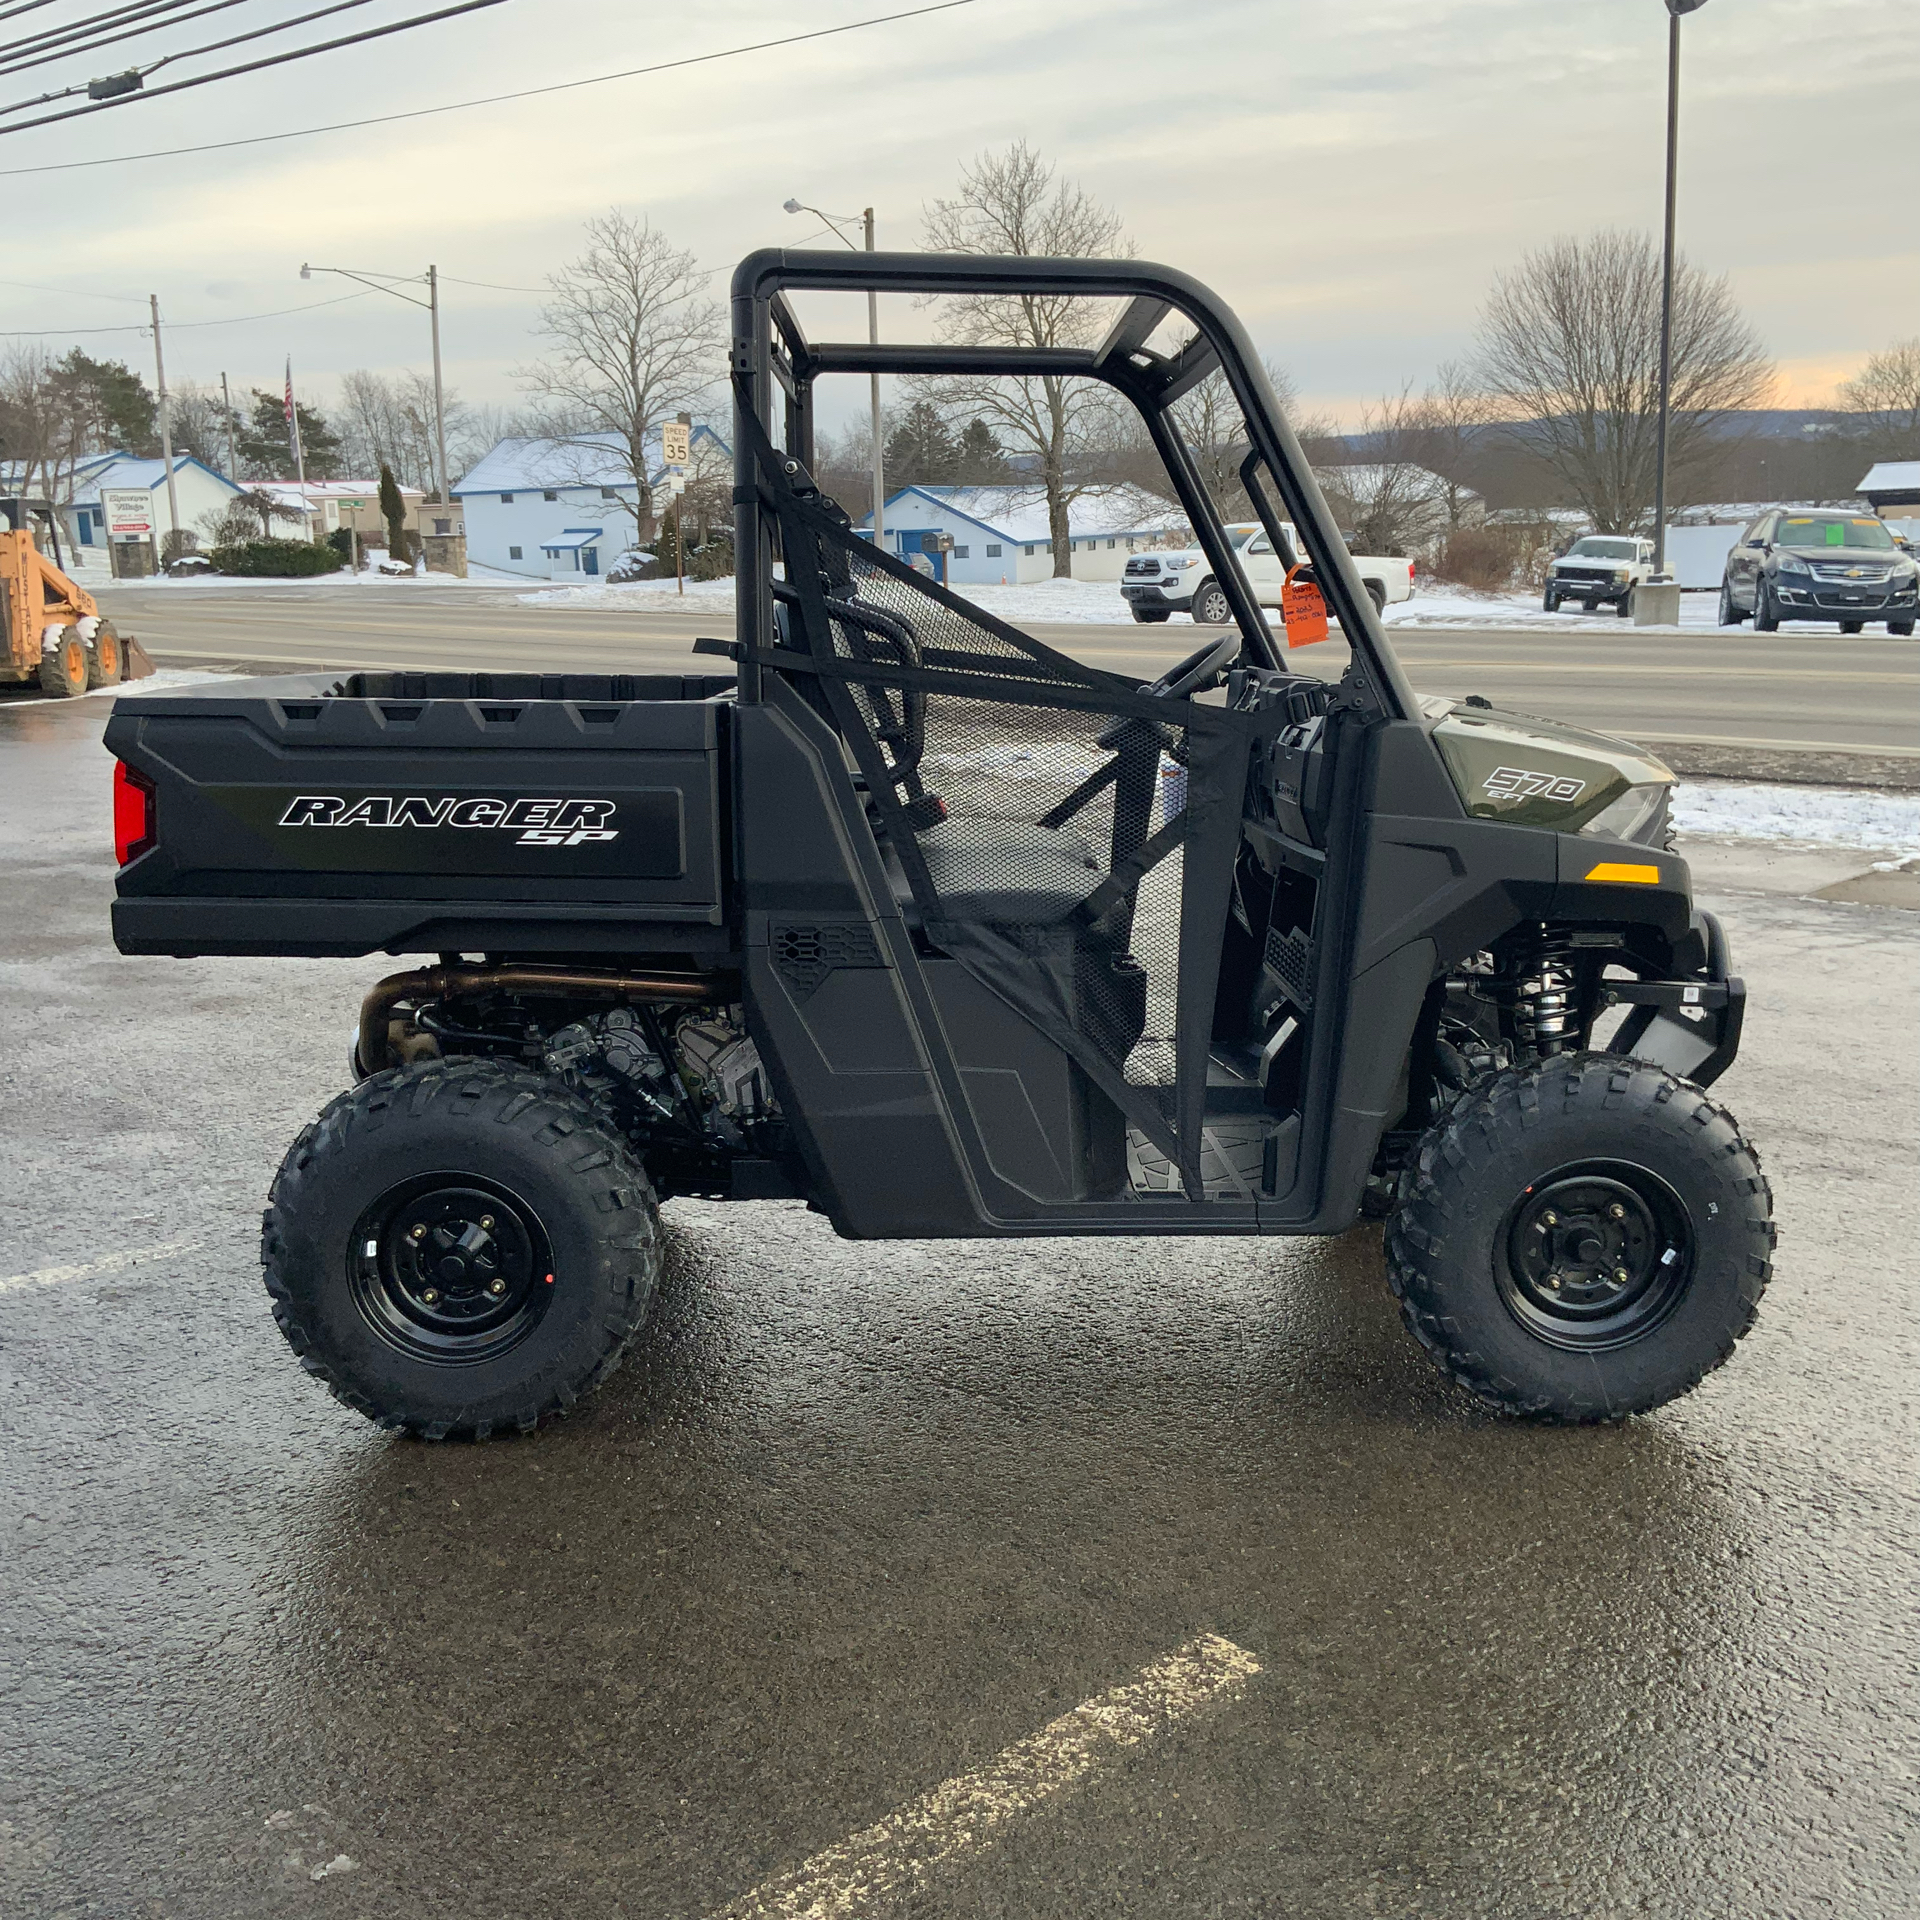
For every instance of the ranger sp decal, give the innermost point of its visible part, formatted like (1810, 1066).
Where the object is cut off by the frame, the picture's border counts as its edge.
(538, 823)
(1517, 783)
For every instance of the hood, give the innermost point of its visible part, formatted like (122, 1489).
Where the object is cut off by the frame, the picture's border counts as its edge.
(1850, 556)
(1530, 772)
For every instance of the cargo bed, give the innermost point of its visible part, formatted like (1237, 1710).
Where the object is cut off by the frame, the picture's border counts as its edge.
(427, 813)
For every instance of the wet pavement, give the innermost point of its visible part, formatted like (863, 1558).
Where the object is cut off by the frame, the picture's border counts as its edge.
(855, 1518)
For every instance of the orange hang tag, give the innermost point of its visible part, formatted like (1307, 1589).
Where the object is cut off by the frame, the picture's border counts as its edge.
(1302, 609)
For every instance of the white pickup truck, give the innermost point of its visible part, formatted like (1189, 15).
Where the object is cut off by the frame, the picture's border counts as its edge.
(1600, 570)
(1159, 585)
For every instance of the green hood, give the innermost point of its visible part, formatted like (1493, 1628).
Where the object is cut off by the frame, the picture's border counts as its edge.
(1536, 773)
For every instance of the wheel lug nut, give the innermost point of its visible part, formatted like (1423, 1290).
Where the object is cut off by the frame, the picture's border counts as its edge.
(429, 1295)
(486, 1222)
(496, 1287)
(1553, 1280)
(1621, 1275)
(1616, 1211)
(418, 1233)
(1549, 1219)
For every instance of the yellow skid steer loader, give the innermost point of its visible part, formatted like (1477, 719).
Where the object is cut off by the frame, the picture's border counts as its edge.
(50, 629)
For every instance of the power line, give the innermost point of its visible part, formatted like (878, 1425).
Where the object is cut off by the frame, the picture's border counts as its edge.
(174, 326)
(190, 53)
(491, 100)
(36, 52)
(251, 66)
(115, 23)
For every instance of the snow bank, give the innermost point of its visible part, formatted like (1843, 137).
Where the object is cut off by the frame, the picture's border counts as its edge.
(1817, 816)
(158, 681)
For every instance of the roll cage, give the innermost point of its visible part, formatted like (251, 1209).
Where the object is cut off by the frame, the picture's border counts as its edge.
(770, 350)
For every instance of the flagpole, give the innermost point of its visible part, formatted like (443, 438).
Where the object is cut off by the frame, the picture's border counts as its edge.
(299, 455)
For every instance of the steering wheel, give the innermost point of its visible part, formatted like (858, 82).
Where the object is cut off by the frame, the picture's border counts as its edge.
(1198, 671)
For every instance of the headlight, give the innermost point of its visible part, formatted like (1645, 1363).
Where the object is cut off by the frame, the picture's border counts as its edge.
(1638, 814)
(1788, 564)
(1620, 574)
(1178, 566)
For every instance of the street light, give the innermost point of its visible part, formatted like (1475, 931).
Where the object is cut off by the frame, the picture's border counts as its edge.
(432, 305)
(1675, 8)
(873, 335)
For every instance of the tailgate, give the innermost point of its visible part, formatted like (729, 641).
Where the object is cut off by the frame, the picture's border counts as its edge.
(427, 813)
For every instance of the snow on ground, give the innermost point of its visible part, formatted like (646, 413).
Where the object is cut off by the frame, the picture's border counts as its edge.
(1862, 817)
(157, 681)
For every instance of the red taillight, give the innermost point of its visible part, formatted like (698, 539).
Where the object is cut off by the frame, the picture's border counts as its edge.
(134, 826)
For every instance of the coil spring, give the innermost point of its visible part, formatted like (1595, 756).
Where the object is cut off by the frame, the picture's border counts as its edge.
(1546, 1011)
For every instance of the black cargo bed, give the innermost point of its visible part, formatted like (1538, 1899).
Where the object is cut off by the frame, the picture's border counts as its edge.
(429, 813)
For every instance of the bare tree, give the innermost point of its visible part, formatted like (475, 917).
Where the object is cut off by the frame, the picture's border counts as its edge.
(1570, 341)
(199, 422)
(1010, 202)
(635, 341)
(1211, 423)
(45, 422)
(1884, 399)
(1388, 502)
(1448, 429)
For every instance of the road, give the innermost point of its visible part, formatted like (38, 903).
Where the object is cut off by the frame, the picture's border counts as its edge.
(1801, 692)
(857, 1520)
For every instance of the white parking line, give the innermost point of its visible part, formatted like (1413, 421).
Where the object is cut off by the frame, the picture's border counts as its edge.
(965, 1813)
(107, 1263)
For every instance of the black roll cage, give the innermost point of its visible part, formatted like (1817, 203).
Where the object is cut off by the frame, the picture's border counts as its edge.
(770, 347)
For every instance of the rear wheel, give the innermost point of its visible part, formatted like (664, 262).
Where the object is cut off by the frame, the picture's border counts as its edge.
(1582, 1240)
(1210, 608)
(1589, 606)
(105, 664)
(1851, 626)
(1766, 616)
(460, 1247)
(63, 670)
(1377, 594)
(1152, 616)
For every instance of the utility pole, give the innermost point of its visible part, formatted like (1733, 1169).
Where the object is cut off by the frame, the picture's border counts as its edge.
(226, 408)
(873, 336)
(1675, 8)
(166, 425)
(439, 402)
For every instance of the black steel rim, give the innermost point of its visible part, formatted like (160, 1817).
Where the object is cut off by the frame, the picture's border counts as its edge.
(1595, 1255)
(450, 1269)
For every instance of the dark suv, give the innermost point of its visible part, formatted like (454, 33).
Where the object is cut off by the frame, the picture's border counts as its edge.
(1808, 564)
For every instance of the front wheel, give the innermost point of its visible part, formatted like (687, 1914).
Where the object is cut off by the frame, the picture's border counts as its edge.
(1729, 615)
(1210, 607)
(1581, 1240)
(1900, 629)
(1852, 626)
(1766, 616)
(63, 667)
(1152, 616)
(106, 666)
(1624, 605)
(460, 1247)
(1550, 601)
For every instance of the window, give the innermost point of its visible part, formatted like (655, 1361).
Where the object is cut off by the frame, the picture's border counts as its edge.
(506, 499)
(513, 553)
(443, 526)
(1111, 544)
(1029, 553)
(549, 496)
(993, 551)
(609, 493)
(960, 553)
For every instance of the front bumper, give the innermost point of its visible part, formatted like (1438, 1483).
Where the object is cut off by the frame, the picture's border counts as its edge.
(1149, 593)
(1838, 600)
(1573, 587)
(1691, 1026)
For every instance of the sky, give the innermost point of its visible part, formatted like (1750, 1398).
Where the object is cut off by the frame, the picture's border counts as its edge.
(1349, 177)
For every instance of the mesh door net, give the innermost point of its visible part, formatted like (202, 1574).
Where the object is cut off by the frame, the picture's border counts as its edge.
(1063, 836)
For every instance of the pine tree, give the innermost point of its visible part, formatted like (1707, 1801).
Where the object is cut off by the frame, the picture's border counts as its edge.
(120, 412)
(980, 460)
(393, 510)
(921, 450)
(265, 451)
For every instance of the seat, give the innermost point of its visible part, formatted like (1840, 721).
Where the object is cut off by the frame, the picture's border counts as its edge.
(1008, 872)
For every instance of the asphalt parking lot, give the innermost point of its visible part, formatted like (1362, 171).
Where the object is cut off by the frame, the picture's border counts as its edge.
(856, 1521)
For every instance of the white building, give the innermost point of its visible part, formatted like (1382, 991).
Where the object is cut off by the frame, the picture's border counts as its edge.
(1001, 535)
(322, 506)
(559, 509)
(197, 488)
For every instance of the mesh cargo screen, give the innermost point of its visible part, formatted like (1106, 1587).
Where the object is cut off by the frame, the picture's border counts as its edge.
(1043, 814)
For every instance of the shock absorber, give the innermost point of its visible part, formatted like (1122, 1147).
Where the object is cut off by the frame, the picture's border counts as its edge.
(1546, 1001)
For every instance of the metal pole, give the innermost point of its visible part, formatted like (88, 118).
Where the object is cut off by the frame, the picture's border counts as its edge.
(226, 407)
(873, 336)
(166, 425)
(1666, 302)
(439, 402)
(299, 461)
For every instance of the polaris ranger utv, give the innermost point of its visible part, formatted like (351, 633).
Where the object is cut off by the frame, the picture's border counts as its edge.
(921, 921)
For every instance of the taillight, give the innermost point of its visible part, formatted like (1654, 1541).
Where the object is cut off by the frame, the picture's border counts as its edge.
(135, 828)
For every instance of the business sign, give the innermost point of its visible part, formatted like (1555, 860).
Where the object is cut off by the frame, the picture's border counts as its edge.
(128, 511)
(675, 439)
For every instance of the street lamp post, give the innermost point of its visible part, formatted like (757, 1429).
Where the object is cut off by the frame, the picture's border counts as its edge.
(873, 336)
(432, 305)
(1675, 8)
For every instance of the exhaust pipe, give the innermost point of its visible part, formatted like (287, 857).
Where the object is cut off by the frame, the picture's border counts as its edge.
(375, 1048)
